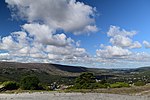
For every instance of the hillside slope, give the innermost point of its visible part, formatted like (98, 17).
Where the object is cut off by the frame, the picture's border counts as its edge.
(46, 72)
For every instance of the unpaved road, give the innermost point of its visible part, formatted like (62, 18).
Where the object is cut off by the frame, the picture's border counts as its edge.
(70, 96)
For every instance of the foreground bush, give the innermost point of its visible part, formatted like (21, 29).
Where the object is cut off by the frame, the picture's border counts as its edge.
(10, 85)
(29, 83)
(139, 83)
(98, 85)
(43, 87)
(119, 85)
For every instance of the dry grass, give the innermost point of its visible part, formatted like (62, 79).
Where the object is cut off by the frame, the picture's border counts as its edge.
(136, 90)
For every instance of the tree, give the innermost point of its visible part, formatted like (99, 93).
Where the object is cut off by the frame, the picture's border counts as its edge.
(85, 81)
(29, 83)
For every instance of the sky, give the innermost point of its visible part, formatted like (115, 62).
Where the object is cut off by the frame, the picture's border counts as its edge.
(90, 33)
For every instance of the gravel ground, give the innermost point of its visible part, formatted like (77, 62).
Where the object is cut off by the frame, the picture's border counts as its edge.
(70, 96)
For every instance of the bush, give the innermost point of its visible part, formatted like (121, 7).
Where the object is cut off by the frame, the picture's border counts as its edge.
(98, 85)
(10, 85)
(85, 81)
(103, 81)
(139, 83)
(85, 78)
(43, 87)
(29, 83)
(119, 85)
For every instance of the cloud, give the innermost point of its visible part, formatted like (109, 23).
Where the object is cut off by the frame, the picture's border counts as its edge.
(120, 49)
(7, 43)
(37, 41)
(122, 38)
(45, 35)
(121, 43)
(115, 30)
(146, 44)
(69, 15)
(113, 52)
(135, 44)
(4, 56)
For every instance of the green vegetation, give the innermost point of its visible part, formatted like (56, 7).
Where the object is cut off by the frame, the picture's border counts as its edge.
(82, 82)
(10, 85)
(87, 81)
(52, 76)
(1, 83)
(29, 83)
(139, 83)
(26, 83)
(119, 85)
(43, 87)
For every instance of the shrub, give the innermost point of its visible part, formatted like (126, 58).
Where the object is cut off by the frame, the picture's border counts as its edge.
(85, 78)
(85, 81)
(29, 83)
(139, 83)
(98, 85)
(119, 85)
(43, 87)
(103, 81)
(10, 85)
(107, 85)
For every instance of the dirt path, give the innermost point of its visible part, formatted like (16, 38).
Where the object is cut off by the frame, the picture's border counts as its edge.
(70, 96)
(144, 93)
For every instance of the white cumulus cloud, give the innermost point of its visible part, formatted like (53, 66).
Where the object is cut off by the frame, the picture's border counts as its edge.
(122, 38)
(146, 44)
(113, 52)
(120, 48)
(69, 15)
(37, 41)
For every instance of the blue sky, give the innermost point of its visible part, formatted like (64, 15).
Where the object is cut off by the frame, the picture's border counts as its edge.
(92, 33)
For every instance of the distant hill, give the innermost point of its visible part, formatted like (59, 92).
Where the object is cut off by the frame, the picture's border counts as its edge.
(48, 73)
(141, 69)
(53, 69)
(45, 71)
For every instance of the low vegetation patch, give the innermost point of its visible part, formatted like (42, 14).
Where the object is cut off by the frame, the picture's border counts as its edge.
(119, 85)
(87, 81)
(139, 83)
(10, 85)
